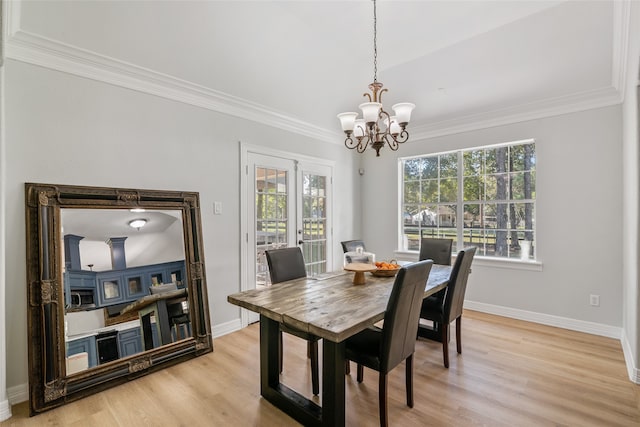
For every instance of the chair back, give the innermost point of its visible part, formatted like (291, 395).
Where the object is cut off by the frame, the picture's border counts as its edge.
(285, 264)
(457, 287)
(403, 314)
(439, 250)
(351, 245)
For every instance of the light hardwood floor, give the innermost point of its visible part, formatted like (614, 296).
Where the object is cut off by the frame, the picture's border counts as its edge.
(510, 373)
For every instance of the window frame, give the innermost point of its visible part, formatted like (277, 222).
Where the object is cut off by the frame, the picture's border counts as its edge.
(533, 263)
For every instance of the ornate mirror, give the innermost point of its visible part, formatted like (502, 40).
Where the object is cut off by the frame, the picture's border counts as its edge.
(116, 287)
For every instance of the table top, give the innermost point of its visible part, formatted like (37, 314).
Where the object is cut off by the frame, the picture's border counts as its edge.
(150, 299)
(330, 306)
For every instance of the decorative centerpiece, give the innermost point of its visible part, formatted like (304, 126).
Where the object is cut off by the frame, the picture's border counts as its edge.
(359, 262)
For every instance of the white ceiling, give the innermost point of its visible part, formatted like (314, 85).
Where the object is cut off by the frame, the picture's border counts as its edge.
(458, 61)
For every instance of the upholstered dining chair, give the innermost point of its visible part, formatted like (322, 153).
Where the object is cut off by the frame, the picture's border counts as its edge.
(445, 310)
(352, 245)
(439, 250)
(288, 264)
(384, 349)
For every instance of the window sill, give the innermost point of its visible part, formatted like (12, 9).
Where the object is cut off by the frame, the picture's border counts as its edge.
(483, 261)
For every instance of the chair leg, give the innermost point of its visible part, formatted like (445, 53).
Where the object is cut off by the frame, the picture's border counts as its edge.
(280, 350)
(459, 334)
(445, 344)
(382, 399)
(360, 374)
(315, 382)
(409, 380)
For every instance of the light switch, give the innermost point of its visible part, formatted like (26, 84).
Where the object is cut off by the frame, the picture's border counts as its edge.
(217, 208)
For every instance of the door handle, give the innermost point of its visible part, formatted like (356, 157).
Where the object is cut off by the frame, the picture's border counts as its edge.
(300, 242)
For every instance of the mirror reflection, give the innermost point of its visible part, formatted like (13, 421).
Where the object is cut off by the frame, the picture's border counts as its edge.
(124, 283)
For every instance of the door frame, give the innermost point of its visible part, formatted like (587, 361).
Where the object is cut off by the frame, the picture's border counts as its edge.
(245, 149)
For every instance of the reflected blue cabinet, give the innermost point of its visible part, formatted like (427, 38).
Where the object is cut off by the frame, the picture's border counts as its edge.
(120, 286)
(129, 342)
(82, 345)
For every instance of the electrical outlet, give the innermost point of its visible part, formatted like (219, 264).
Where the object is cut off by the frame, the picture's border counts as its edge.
(594, 300)
(217, 208)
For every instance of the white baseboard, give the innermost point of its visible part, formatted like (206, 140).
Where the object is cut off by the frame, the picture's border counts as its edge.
(226, 328)
(547, 319)
(18, 393)
(632, 370)
(566, 323)
(5, 410)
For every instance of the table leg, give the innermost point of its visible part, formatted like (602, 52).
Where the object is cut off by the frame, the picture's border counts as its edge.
(333, 383)
(269, 370)
(289, 401)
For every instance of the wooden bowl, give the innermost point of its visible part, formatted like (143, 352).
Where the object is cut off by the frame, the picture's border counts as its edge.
(385, 273)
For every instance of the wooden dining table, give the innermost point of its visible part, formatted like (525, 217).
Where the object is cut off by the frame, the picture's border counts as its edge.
(331, 307)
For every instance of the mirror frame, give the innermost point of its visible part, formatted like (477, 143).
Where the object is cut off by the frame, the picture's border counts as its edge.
(49, 386)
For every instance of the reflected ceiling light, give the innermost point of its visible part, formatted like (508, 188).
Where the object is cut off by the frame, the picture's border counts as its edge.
(137, 223)
(376, 127)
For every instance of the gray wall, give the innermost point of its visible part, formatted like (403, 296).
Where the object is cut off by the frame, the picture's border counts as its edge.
(69, 130)
(578, 215)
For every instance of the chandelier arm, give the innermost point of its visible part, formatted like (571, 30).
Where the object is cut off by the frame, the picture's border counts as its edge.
(380, 94)
(350, 143)
(368, 95)
(363, 144)
(391, 141)
(402, 137)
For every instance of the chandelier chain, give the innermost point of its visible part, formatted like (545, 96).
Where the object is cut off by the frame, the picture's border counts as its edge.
(375, 43)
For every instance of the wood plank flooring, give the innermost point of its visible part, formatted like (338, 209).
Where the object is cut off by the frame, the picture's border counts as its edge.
(510, 373)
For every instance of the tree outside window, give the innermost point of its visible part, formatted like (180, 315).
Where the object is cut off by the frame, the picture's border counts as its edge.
(483, 197)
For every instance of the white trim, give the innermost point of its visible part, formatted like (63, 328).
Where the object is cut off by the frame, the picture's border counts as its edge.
(226, 328)
(32, 48)
(621, 28)
(18, 394)
(632, 370)
(45, 52)
(5, 410)
(482, 261)
(549, 107)
(547, 319)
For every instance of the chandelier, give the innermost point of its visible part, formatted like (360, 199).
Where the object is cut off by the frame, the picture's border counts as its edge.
(377, 127)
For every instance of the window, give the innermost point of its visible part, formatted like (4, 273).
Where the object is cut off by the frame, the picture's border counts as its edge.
(483, 197)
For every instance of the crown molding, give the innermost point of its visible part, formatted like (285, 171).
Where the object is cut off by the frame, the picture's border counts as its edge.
(35, 49)
(621, 28)
(549, 107)
(45, 52)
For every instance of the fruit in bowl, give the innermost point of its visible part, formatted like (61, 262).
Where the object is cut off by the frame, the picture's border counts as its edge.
(383, 265)
(386, 269)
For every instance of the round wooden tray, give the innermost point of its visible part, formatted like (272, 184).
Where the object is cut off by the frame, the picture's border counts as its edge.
(359, 268)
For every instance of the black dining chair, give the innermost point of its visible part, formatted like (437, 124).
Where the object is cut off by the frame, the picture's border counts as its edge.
(384, 349)
(288, 264)
(352, 245)
(439, 250)
(443, 311)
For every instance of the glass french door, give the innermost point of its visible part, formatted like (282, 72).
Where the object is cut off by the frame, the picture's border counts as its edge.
(287, 205)
(313, 216)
